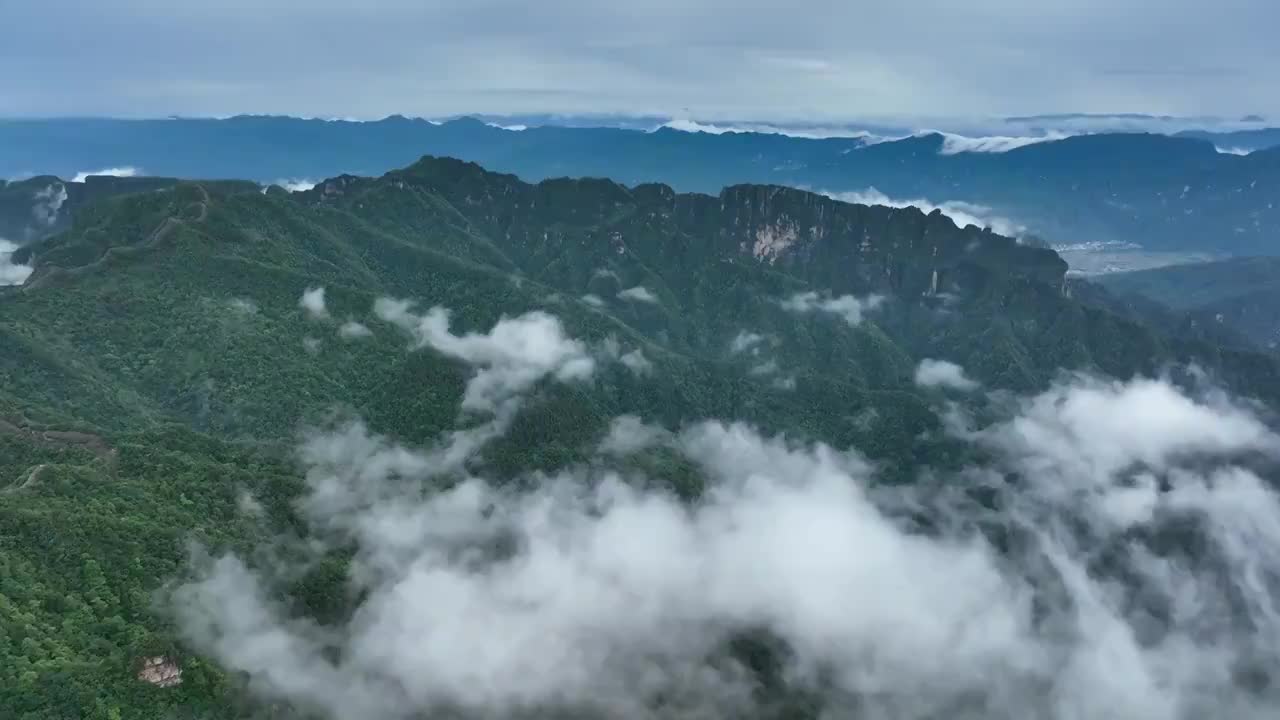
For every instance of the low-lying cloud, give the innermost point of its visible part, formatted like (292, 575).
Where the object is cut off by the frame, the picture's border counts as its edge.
(961, 213)
(940, 373)
(629, 434)
(953, 144)
(808, 131)
(510, 358)
(636, 362)
(48, 203)
(313, 303)
(295, 184)
(125, 171)
(11, 273)
(851, 308)
(352, 330)
(746, 341)
(592, 590)
(638, 293)
(243, 306)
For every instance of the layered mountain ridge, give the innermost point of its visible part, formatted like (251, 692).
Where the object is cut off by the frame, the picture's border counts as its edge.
(1157, 191)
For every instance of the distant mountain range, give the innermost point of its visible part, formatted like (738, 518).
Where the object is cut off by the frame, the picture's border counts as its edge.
(1156, 191)
(1240, 293)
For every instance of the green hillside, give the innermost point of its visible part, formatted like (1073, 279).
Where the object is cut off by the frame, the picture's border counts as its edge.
(1240, 293)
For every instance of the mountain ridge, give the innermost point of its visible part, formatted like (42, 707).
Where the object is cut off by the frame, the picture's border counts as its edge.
(1240, 293)
(1155, 190)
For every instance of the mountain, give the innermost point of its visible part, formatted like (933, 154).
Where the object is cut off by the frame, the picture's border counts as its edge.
(38, 207)
(234, 421)
(1157, 191)
(1240, 293)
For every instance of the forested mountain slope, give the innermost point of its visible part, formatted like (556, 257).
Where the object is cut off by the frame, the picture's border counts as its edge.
(1240, 293)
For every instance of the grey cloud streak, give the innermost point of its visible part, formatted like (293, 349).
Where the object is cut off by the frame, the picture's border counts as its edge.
(812, 59)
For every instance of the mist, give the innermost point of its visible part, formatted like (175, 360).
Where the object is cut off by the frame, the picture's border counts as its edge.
(11, 273)
(1113, 556)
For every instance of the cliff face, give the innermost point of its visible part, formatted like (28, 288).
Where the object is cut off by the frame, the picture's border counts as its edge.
(858, 248)
(844, 247)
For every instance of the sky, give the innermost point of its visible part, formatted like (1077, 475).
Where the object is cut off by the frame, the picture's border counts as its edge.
(743, 59)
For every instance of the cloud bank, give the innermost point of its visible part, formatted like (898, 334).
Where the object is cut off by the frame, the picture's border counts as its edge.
(1065, 593)
(953, 144)
(961, 213)
(125, 171)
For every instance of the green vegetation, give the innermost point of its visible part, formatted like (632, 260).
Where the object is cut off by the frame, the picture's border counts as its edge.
(156, 369)
(1242, 294)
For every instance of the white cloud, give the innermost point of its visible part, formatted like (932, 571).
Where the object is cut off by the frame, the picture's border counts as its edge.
(961, 213)
(613, 596)
(247, 504)
(744, 341)
(629, 434)
(111, 172)
(593, 300)
(352, 330)
(953, 144)
(637, 362)
(311, 345)
(768, 367)
(11, 273)
(312, 301)
(810, 132)
(940, 373)
(512, 357)
(1147, 597)
(295, 184)
(48, 203)
(638, 293)
(243, 306)
(1232, 150)
(786, 383)
(848, 307)
(634, 360)
(1093, 429)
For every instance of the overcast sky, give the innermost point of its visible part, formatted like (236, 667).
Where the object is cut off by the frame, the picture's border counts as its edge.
(745, 59)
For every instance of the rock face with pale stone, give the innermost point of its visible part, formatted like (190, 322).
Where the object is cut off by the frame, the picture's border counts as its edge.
(160, 671)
